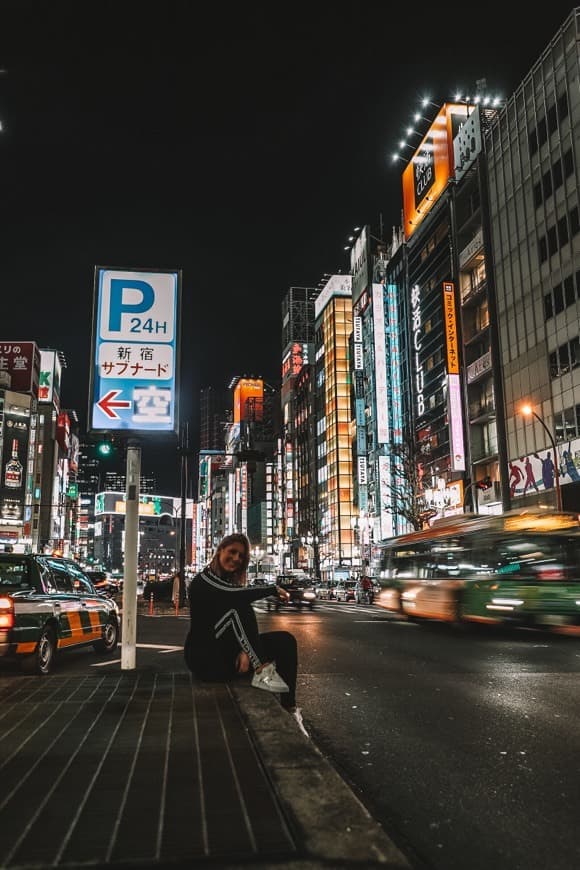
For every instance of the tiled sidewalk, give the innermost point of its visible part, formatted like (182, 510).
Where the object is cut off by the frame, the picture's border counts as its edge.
(148, 768)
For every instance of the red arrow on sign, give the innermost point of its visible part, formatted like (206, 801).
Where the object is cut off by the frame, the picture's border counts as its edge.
(107, 404)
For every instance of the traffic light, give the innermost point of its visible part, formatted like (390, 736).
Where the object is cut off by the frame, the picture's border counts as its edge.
(484, 483)
(104, 449)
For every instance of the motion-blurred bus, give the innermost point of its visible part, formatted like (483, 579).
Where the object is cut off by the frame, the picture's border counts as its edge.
(520, 566)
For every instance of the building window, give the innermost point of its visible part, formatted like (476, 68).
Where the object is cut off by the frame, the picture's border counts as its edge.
(547, 184)
(568, 163)
(575, 352)
(569, 291)
(563, 232)
(552, 241)
(564, 358)
(558, 300)
(542, 132)
(574, 221)
(543, 249)
(533, 142)
(538, 194)
(563, 106)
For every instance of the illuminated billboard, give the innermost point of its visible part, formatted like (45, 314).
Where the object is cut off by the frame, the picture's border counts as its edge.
(249, 399)
(134, 383)
(426, 175)
(450, 328)
(149, 505)
(50, 373)
(15, 409)
(21, 360)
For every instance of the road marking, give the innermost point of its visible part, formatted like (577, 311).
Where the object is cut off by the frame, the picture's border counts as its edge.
(162, 648)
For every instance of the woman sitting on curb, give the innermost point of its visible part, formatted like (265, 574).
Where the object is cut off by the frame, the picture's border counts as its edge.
(223, 639)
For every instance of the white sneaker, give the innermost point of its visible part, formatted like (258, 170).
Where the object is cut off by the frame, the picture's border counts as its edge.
(269, 679)
(296, 714)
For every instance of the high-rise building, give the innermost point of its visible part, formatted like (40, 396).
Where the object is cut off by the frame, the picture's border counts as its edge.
(533, 165)
(333, 313)
(215, 411)
(298, 336)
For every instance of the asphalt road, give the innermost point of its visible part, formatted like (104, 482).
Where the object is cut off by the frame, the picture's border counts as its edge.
(464, 745)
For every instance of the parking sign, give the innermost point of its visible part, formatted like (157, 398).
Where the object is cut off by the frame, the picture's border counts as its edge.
(135, 351)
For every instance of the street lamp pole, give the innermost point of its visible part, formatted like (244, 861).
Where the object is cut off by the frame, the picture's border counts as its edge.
(528, 411)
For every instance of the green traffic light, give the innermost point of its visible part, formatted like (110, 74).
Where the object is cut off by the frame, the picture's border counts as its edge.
(105, 448)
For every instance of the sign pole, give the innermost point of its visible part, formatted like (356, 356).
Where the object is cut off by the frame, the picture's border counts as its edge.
(129, 627)
(183, 524)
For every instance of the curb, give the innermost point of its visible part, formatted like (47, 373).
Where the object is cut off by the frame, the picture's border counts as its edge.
(328, 818)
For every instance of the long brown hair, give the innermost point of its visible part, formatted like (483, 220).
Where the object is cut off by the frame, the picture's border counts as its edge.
(239, 576)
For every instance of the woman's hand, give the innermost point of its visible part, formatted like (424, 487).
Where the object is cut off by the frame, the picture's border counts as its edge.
(282, 593)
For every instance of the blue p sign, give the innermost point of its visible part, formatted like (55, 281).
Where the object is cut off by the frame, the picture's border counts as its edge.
(117, 305)
(137, 307)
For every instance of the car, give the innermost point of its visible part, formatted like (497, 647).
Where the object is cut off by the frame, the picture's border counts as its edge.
(301, 593)
(48, 604)
(104, 582)
(161, 590)
(345, 590)
(324, 589)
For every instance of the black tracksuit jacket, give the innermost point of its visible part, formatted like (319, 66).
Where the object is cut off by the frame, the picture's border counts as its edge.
(222, 622)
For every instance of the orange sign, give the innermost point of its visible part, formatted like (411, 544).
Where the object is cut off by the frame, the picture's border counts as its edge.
(249, 399)
(450, 328)
(432, 165)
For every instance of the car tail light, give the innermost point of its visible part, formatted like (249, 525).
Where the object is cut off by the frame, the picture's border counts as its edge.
(6, 613)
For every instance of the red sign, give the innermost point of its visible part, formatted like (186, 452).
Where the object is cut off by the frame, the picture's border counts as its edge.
(109, 402)
(21, 360)
(63, 432)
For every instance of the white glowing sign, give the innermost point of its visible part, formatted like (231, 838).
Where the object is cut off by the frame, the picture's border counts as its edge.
(380, 364)
(455, 423)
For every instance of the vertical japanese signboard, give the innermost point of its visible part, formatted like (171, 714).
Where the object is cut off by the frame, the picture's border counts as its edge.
(454, 403)
(14, 441)
(135, 352)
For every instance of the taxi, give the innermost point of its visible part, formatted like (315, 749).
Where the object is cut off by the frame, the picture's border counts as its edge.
(48, 604)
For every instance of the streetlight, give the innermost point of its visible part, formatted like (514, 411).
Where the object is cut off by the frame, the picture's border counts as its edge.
(528, 411)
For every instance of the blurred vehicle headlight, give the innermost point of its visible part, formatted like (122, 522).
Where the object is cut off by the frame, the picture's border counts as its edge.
(309, 596)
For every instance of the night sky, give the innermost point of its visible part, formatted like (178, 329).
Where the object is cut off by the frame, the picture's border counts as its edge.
(240, 147)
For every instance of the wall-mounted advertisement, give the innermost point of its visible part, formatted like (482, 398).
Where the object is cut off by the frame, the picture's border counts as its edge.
(450, 324)
(50, 375)
(385, 496)
(149, 505)
(467, 143)
(14, 439)
(337, 285)
(21, 361)
(428, 172)
(296, 357)
(455, 414)
(537, 471)
(383, 433)
(394, 361)
(359, 264)
(134, 384)
(249, 400)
